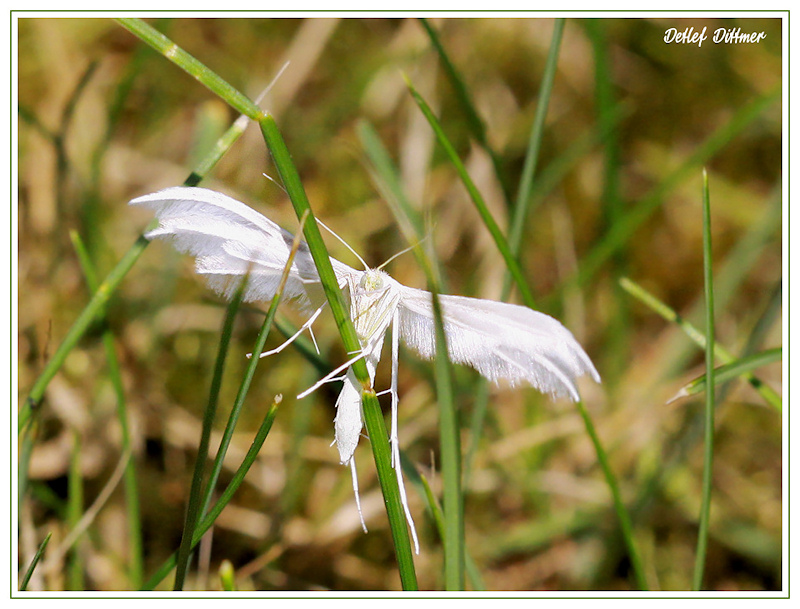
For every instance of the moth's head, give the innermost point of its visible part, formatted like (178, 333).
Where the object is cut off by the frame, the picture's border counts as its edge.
(372, 280)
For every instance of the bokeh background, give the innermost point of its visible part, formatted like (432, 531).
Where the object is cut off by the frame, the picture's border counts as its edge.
(103, 118)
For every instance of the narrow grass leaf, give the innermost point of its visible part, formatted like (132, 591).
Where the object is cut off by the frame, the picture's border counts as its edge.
(472, 571)
(728, 372)
(385, 175)
(132, 507)
(193, 511)
(34, 562)
(626, 527)
(373, 419)
(450, 447)
(191, 66)
(638, 292)
(250, 371)
(294, 188)
(523, 200)
(500, 241)
(474, 123)
(208, 520)
(227, 576)
(708, 443)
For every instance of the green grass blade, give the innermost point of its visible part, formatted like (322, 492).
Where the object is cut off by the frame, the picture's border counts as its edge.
(110, 284)
(386, 177)
(75, 566)
(450, 447)
(191, 66)
(373, 419)
(474, 123)
(500, 241)
(227, 576)
(132, 508)
(473, 574)
(209, 519)
(294, 188)
(732, 272)
(708, 443)
(638, 292)
(34, 561)
(626, 227)
(249, 374)
(523, 201)
(194, 509)
(728, 372)
(624, 518)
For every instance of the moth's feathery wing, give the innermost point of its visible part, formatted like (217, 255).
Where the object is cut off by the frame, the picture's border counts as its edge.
(499, 340)
(229, 239)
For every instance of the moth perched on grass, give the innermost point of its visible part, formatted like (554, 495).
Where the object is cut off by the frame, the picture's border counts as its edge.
(501, 341)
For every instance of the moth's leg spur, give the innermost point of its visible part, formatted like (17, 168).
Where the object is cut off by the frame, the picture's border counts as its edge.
(291, 339)
(330, 376)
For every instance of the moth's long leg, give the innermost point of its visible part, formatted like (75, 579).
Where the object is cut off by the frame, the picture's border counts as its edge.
(329, 377)
(393, 388)
(355, 490)
(291, 339)
(398, 468)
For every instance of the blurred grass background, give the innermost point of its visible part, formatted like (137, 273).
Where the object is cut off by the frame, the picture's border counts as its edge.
(103, 118)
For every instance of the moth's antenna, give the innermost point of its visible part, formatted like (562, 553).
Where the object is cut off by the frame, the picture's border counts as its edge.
(274, 181)
(400, 253)
(271, 84)
(258, 101)
(322, 224)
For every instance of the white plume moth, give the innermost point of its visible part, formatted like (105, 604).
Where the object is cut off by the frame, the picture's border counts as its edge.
(501, 341)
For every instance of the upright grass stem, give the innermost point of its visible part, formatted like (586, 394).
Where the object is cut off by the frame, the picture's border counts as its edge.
(387, 179)
(386, 475)
(511, 262)
(206, 522)
(194, 509)
(133, 520)
(708, 443)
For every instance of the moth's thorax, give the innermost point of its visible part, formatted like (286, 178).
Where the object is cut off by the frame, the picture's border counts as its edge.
(373, 301)
(372, 279)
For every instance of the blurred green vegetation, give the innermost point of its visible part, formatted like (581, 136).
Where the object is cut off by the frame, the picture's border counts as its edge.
(103, 118)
